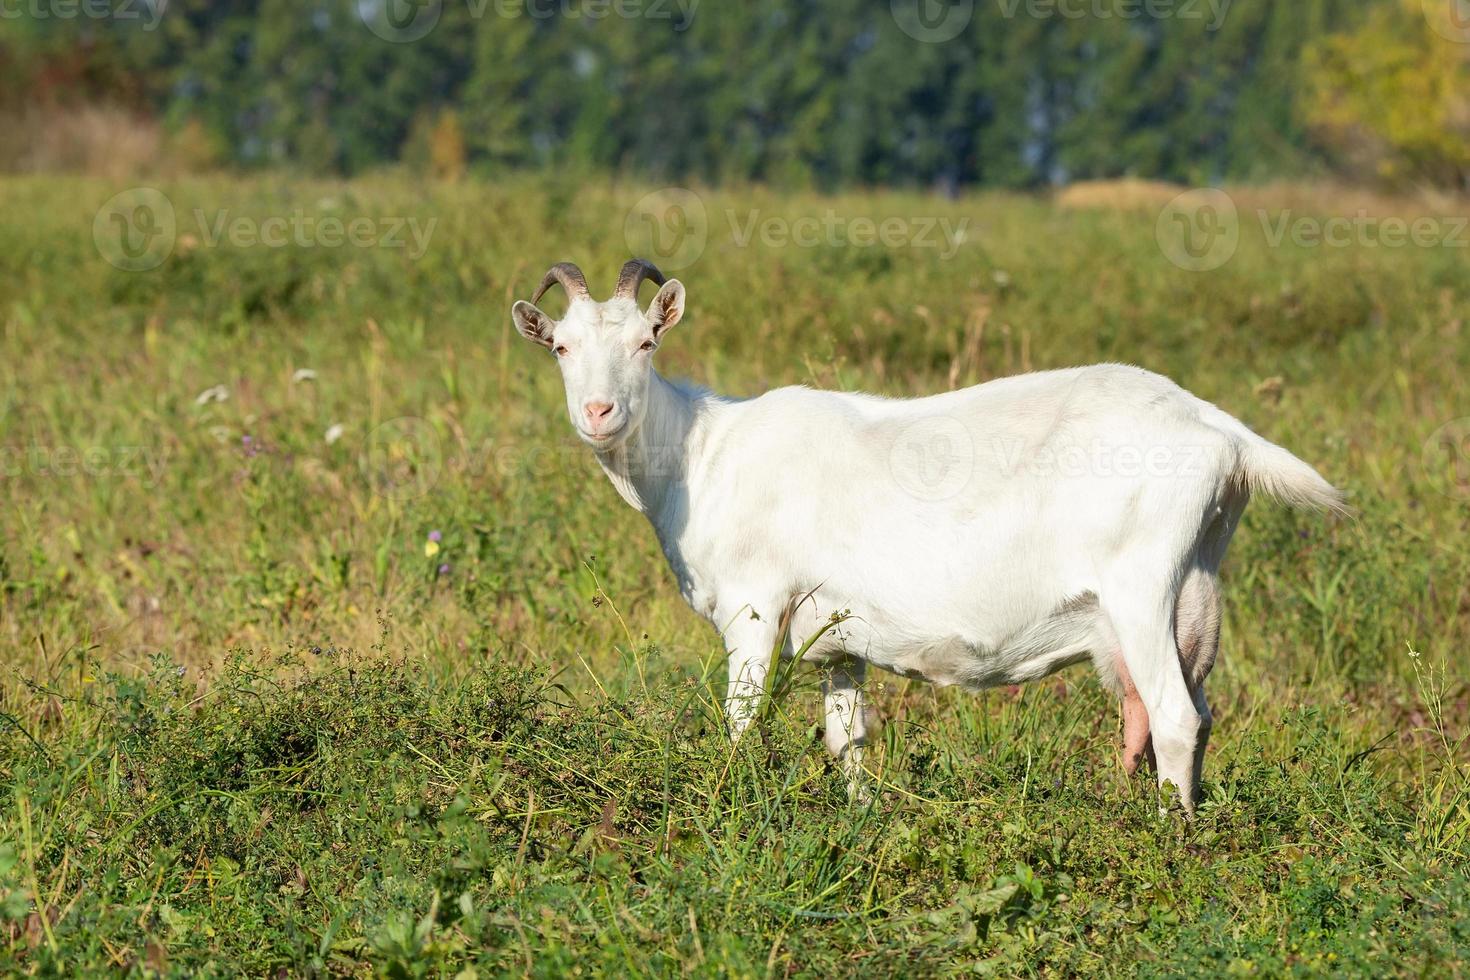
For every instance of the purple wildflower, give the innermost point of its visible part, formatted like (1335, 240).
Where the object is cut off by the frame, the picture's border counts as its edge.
(436, 536)
(444, 569)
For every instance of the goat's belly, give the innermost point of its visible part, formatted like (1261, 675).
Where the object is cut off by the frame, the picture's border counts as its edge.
(1067, 635)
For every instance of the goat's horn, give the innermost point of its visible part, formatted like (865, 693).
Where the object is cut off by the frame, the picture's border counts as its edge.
(571, 280)
(632, 276)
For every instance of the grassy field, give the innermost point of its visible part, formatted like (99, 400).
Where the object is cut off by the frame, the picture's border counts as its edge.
(327, 651)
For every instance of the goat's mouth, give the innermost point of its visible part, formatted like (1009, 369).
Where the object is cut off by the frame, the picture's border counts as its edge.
(602, 440)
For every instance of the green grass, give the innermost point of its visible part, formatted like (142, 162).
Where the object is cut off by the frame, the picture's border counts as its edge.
(250, 726)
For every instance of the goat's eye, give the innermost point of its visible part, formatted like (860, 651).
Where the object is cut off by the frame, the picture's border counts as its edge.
(560, 350)
(647, 345)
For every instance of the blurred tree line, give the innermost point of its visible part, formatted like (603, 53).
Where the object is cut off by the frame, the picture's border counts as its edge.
(837, 92)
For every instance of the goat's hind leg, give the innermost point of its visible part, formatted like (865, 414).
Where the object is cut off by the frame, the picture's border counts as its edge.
(1144, 625)
(1197, 633)
(1198, 613)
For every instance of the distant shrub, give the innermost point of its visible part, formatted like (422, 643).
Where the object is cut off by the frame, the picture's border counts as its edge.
(1391, 98)
(194, 149)
(446, 147)
(97, 140)
(437, 147)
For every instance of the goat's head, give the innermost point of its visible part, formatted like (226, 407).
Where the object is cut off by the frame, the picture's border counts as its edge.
(605, 350)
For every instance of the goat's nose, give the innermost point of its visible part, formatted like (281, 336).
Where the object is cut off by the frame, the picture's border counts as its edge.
(598, 411)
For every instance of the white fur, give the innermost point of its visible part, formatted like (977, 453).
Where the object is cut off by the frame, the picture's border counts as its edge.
(986, 536)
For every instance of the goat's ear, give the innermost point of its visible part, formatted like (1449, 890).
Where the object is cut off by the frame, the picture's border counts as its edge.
(534, 325)
(667, 308)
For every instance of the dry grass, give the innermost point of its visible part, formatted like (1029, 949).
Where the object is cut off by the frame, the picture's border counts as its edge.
(95, 140)
(1127, 194)
(1321, 197)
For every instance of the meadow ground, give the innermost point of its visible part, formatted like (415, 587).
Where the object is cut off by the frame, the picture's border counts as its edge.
(326, 650)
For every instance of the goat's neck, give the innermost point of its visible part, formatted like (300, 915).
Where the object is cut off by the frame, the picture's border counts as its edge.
(652, 462)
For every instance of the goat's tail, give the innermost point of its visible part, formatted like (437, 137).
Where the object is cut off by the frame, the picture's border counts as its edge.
(1268, 469)
(1265, 468)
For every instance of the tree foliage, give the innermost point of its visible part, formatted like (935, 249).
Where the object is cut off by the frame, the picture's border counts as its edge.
(1394, 96)
(830, 93)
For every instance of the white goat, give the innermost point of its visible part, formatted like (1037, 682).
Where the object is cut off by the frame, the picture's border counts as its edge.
(987, 536)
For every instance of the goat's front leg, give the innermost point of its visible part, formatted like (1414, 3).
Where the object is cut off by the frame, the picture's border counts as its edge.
(750, 641)
(846, 728)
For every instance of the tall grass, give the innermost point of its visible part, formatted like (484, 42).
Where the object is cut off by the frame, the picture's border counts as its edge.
(257, 715)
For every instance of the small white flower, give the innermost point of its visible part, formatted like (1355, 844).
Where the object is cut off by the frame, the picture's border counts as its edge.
(218, 393)
(303, 374)
(334, 433)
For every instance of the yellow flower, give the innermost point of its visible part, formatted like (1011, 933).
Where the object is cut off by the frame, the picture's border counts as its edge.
(431, 548)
